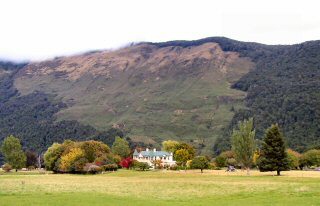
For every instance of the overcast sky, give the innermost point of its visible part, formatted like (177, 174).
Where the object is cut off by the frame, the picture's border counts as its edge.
(40, 29)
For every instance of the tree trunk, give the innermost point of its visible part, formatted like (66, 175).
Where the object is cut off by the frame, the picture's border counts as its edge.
(201, 170)
(278, 172)
(248, 171)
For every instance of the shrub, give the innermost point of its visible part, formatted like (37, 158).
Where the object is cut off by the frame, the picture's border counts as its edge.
(142, 166)
(134, 164)
(68, 160)
(113, 158)
(189, 163)
(310, 158)
(220, 161)
(157, 164)
(294, 158)
(110, 167)
(7, 167)
(173, 167)
(213, 166)
(73, 157)
(255, 158)
(31, 168)
(232, 161)
(200, 162)
(228, 154)
(126, 163)
(92, 168)
(80, 164)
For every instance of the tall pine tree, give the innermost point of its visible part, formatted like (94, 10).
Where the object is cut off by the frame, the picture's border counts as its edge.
(273, 152)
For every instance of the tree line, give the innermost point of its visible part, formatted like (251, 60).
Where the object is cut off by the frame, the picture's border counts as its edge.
(92, 156)
(270, 154)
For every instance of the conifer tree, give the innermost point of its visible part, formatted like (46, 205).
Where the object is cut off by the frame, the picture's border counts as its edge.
(273, 152)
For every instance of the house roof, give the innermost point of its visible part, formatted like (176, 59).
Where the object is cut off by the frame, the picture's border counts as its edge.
(136, 153)
(154, 154)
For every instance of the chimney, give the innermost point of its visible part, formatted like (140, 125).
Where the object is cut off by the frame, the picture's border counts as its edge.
(154, 149)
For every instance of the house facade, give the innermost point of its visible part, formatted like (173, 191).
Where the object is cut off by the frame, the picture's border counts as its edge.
(149, 156)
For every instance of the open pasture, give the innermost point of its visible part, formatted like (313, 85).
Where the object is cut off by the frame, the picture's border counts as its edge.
(161, 188)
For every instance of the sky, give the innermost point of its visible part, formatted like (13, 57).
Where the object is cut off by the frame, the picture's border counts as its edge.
(41, 29)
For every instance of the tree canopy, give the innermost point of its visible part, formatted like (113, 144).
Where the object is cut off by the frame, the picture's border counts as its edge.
(13, 153)
(183, 152)
(243, 143)
(79, 157)
(200, 162)
(273, 155)
(121, 147)
(170, 145)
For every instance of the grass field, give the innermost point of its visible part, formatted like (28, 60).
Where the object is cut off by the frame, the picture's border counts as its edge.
(161, 188)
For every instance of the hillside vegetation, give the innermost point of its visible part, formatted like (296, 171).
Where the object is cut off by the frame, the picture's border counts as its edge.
(152, 93)
(32, 117)
(194, 91)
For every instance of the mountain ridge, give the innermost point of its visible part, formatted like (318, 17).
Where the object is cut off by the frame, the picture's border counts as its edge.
(192, 91)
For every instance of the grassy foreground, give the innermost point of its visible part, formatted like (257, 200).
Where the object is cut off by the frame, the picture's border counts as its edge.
(161, 188)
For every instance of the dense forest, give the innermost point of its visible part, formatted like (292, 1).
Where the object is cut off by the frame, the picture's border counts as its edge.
(283, 88)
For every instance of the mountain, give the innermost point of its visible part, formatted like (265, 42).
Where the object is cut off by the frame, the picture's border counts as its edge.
(193, 91)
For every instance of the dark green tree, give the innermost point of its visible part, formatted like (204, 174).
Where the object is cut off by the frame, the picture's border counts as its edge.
(200, 162)
(32, 159)
(13, 153)
(273, 152)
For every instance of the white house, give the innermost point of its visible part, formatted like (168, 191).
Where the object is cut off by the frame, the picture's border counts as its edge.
(149, 156)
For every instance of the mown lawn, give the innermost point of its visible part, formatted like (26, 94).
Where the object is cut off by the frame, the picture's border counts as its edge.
(161, 188)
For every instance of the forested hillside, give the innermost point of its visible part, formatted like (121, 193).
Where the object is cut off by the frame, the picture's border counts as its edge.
(194, 91)
(283, 88)
(31, 117)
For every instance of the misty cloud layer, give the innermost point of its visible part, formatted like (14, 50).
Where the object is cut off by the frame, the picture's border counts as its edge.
(36, 30)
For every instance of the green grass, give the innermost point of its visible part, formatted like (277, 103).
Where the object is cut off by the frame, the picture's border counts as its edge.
(161, 188)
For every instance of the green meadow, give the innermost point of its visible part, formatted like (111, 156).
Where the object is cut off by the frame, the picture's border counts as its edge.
(127, 187)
